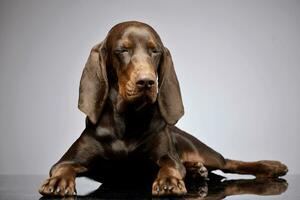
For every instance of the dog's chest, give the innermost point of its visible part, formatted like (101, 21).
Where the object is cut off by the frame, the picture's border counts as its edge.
(122, 148)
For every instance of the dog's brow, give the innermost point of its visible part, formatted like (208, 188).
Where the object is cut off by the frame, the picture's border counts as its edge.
(151, 44)
(125, 43)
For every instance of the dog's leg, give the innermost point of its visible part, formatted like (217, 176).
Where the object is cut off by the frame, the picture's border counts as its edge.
(74, 163)
(191, 150)
(62, 179)
(263, 168)
(170, 177)
(171, 174)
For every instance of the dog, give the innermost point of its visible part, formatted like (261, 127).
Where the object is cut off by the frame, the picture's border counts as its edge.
(130, 94)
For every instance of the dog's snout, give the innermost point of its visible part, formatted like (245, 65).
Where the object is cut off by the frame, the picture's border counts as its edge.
(145, 81)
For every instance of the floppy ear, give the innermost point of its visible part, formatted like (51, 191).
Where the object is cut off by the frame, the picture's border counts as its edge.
(93, 88)
(169, 96)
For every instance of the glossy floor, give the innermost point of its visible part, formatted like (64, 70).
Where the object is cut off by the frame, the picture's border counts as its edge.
(15, 187)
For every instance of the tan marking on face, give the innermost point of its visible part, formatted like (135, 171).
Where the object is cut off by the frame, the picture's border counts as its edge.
(126, 43)
(126, 85)
(151, 44)
(136, 63)
(128, 78)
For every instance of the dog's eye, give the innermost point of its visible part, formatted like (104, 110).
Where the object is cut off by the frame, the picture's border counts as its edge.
(155, 51)
(121, 51)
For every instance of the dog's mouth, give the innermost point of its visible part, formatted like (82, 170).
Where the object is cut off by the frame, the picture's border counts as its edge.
(146, 95)
(138, 95)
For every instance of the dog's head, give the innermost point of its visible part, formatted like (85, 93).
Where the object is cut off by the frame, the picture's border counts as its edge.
(132, 60)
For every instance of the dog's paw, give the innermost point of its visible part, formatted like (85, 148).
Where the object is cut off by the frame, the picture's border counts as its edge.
(58, 186)
(168, 186)
(271, 169)
(196, 170)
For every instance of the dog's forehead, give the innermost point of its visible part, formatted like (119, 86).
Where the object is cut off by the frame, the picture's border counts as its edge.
(134, 34)
(137, 33)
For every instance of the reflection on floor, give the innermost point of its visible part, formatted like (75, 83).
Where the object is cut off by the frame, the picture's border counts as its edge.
(215, 188)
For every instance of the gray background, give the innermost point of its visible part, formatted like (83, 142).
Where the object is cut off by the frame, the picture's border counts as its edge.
(237, 62)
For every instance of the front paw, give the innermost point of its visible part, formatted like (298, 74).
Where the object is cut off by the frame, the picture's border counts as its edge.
(58, 186)
(168, 186)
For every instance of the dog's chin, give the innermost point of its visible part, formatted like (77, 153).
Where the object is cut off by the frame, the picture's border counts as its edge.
(142, 99)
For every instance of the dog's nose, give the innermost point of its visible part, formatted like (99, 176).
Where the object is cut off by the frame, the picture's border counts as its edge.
(145, 82)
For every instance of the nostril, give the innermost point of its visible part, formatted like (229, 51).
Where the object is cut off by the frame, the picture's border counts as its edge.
(141, 83)
(145, 83)
(150, 83)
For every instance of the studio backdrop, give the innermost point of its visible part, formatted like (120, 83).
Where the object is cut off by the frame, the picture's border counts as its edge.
(238, 64)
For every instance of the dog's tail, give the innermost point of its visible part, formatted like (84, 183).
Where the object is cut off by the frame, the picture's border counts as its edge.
(263, 168)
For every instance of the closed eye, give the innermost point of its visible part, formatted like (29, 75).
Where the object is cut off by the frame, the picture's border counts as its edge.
(121, 51)
(155, 51)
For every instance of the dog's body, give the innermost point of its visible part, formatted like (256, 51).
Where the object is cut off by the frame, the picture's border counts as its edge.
(130, 94)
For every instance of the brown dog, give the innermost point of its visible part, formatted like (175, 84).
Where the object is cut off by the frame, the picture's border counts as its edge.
(130, 94)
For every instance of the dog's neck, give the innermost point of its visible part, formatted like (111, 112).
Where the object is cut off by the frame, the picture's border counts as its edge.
(132, 119)
(123, 107)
